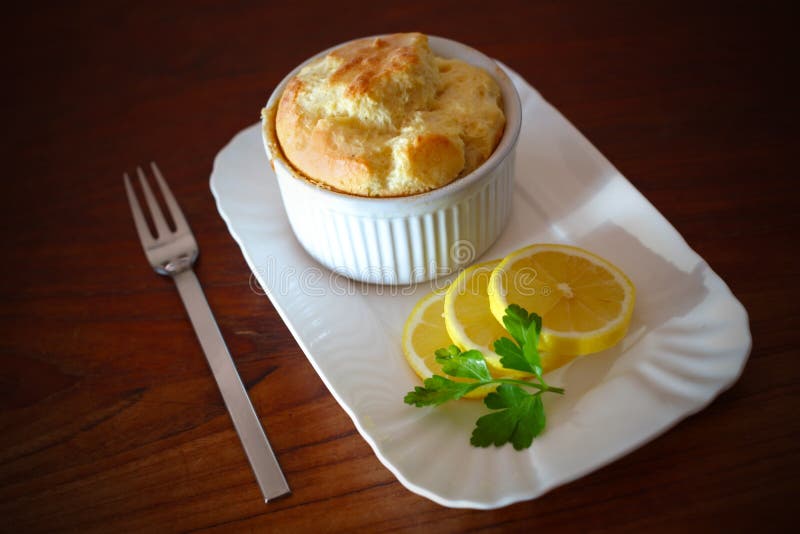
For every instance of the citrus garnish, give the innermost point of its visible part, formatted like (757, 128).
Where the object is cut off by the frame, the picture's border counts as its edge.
(424, 333)
(585, 302)
(517, 415)
(467, 316)
(469, 320)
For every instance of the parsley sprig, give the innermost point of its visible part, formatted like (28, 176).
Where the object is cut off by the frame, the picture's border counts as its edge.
(519, 415)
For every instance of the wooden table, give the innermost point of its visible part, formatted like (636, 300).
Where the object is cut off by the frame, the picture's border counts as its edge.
(110, 418)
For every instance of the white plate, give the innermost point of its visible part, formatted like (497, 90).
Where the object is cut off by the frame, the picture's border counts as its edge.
(688, 341)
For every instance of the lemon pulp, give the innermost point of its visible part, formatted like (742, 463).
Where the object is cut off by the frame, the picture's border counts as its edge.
(585, 302)
(423, 334)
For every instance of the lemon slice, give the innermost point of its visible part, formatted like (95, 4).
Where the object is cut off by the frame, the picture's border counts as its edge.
(467, 315)
(423, 334)
(585, 302)
(469, 320)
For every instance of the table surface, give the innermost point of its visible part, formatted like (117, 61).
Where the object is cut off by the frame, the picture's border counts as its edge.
(110, 417)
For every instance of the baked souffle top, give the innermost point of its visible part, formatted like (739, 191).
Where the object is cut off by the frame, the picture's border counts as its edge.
(385, 117)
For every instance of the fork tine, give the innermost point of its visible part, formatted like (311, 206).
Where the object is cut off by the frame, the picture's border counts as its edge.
(138, 217)
(172, 204)
(155, 212)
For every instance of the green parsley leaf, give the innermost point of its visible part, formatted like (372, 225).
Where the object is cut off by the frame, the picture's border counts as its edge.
(452, 350)
(516, 319)
(530, 348)
(519, 416)
(520, 419)
(437, 390)
(524, 328)
(469, 364)
(511, 356)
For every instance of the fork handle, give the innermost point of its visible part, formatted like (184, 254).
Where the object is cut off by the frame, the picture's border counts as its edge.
(256, 446)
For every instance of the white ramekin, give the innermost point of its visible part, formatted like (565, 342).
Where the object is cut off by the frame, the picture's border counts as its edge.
(403, 240)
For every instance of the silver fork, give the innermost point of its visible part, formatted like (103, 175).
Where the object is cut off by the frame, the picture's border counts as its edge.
(173, 254)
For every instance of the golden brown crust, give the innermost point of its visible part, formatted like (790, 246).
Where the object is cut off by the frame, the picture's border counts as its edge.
(385, 117)
(365, 62)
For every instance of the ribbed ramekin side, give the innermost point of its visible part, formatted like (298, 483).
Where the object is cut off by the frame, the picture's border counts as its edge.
(394, 248)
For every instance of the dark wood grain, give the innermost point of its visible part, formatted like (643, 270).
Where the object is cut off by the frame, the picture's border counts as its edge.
(110, 418)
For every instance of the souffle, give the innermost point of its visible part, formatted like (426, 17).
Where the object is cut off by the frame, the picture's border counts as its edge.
(385, 117)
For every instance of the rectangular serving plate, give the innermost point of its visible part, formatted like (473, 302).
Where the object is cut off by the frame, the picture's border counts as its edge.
(688, 341)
